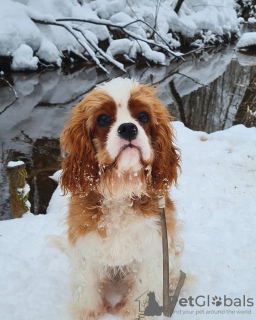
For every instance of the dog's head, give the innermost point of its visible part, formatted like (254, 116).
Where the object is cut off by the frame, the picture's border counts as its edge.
(120, 129)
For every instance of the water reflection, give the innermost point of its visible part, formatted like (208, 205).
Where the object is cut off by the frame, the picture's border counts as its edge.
(208, 92)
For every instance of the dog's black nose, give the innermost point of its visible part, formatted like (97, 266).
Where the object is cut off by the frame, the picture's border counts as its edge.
(128, 131)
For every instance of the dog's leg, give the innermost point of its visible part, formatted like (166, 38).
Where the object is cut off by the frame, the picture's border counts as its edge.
(87, 302)
(147, 278)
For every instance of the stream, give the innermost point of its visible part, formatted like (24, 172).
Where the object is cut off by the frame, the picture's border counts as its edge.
(208, 92)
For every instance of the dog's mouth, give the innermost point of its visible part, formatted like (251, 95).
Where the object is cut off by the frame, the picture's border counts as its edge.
(131, 149)
(130, 145)
(129, 158)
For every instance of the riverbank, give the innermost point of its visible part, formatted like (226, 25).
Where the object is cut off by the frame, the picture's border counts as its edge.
(52, 33)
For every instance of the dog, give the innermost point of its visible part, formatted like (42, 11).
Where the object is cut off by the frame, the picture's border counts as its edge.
(119, 157)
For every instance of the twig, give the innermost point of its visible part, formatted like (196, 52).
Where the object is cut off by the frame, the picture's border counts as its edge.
(156, 13)
(209, 5)
(171, 73)
(13, 90)
(154, 31)
(8, 83)
(7, 107)
(184, 75)
(101, 52)
(179, 102)
(50, 66)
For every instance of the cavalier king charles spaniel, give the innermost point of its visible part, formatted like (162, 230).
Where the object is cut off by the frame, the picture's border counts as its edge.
(119, 158)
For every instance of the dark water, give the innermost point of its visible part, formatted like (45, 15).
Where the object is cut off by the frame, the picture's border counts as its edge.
(207, 92)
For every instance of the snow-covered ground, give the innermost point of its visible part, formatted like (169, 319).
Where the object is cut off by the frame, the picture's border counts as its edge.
(30, 33)
(216, 202)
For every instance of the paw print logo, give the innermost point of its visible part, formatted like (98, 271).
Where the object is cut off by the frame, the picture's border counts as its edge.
(216, 301)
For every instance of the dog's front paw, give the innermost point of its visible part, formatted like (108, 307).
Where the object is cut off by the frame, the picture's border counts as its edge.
(129, 311)
(79, 312)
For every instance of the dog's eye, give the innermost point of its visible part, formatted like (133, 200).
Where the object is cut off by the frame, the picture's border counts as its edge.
(143, 117)
(103, 120)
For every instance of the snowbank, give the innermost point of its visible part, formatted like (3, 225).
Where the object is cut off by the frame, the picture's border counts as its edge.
(247, 39)
(216, 202)
(23, 58)
(31, 34)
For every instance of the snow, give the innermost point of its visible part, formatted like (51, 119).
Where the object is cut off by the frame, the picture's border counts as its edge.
(247, 39)
(131, 48)
(56, 176)
(121, 46)
(121, 17)
(23, 58)
(157, 57)
(251, 20)
(14, 163)
(215, 199)
(24, 191)
(48, 52)
(16, 28)
(29, 41)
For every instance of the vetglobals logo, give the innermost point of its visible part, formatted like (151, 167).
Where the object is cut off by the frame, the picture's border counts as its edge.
(204, 304)
(208, 301)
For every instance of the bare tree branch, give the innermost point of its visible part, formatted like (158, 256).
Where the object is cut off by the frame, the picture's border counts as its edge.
(178, 5)
(165, 47)
(2, 77)
(71, 30)
(9, 105)
(154, 31)
(101, 52)
(92, 48)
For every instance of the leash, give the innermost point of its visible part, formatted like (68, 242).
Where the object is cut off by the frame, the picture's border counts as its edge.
(168, 309)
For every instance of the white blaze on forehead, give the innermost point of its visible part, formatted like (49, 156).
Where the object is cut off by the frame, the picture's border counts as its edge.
(119, 89)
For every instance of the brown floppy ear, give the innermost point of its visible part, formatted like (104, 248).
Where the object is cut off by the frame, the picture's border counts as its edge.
(80, 168)
(166, 155)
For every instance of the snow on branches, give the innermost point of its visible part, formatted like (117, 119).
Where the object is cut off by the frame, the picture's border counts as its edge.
(102, 31)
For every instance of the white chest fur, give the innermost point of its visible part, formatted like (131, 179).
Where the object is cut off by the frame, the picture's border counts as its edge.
(130, 252)
(130, 237)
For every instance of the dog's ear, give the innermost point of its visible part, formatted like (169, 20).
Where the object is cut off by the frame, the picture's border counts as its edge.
(166, 155)
(166, 160)
(80, 168)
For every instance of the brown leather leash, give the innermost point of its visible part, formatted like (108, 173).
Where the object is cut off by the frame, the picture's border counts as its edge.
(168, 309)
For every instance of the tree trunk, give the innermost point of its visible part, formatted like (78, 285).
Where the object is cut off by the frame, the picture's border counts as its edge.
(17, 182)
(178, 5)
